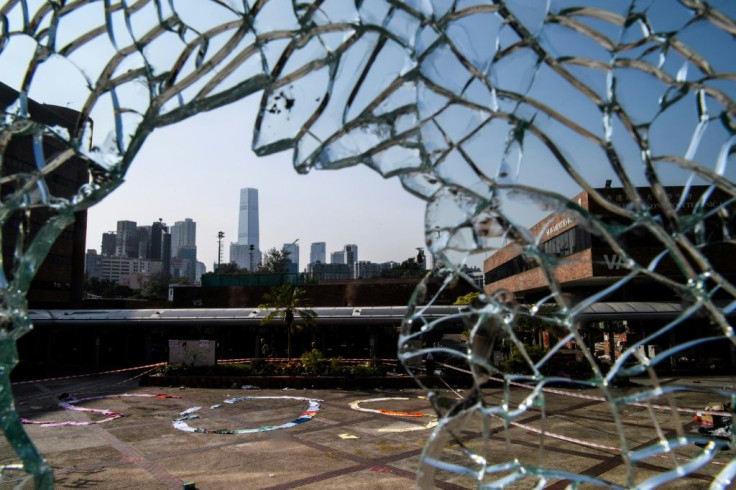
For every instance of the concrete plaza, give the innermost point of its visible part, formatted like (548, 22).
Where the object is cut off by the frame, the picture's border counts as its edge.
(334, 447)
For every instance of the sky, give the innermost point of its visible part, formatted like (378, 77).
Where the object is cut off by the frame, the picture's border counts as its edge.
(195, 169)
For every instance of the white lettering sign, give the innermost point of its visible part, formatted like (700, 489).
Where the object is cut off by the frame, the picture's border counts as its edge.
(614, 261)
(558, 226)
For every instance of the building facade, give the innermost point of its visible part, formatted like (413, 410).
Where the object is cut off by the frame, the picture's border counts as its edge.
(109, 241)
(126, 239)
(638, 305)
(241, 252)
(320, 271)
(293, 265)
(587, 263)
(60, 278)
(158, 229)
(183, 234)
(318, 252)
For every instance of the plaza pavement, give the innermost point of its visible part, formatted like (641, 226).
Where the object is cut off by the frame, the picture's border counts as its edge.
(338, 447)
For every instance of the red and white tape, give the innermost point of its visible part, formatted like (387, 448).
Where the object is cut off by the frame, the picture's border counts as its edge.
(123, 370)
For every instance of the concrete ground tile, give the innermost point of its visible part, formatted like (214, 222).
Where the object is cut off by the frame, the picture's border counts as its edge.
(151, 437)
(411, 464)
(369, 479)
(641, 474)
(57, 439)
(252, 465)
(112, 478)
(83, 458)
(368, 445)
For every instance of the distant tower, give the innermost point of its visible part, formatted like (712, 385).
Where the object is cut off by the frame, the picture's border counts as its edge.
(144, 242)
(126, 244)
(293, 249)
(183, 234)
(158, 228)
(108, 243)
(351, 257)
(318, 253)
(248, 231)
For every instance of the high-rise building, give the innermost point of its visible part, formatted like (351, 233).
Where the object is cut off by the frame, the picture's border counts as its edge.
(351, 256)
(293, 249)
(337, 257)
(318, 253)
(126, 244)
(166, 252)
(241, 252)
(109, 241)
(188, 255)
(248, 230)
(199, 269)
(183, 234)
(144, 242)
(158, 228)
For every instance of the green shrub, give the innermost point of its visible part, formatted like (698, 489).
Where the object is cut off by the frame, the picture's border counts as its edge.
(312, 361)
(368, 369)
(516, 364)
(217, 370)
(290, 368)
(336, 366)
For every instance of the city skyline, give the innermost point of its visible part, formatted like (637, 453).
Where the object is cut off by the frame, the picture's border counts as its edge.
(183, 235)
(196, 169)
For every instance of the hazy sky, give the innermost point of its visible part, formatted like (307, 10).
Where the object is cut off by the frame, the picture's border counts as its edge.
(196, 168)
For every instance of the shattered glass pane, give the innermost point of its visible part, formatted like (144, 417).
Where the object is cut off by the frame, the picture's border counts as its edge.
(499, 114)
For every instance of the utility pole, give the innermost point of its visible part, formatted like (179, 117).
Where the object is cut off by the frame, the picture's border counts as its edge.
(220, 236)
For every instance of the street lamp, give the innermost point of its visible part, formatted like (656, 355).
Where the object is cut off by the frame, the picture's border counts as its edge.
(251, 247)
(220, 236)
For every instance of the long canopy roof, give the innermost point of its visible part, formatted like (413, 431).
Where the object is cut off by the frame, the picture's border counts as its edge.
(367, 315)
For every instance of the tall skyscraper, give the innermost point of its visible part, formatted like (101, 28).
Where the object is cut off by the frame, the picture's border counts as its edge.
(318, 253)
(126, 244)
(248, 232)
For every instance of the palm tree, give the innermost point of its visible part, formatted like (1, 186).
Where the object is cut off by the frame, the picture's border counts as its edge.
(285, 302)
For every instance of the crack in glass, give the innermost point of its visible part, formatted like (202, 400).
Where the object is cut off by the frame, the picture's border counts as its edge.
(496, 113)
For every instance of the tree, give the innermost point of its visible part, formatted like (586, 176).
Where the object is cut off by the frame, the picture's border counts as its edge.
(229, 268)
(408, 269)
(466, 299)
(275, 261)
(285, 302)
(157, 287)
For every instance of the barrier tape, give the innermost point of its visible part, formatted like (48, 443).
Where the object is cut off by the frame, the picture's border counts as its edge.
(220, 361)
(250, 360)
(599, 398)
(123, 370)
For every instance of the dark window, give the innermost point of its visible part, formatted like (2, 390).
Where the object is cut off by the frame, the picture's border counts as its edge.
(570, 242)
